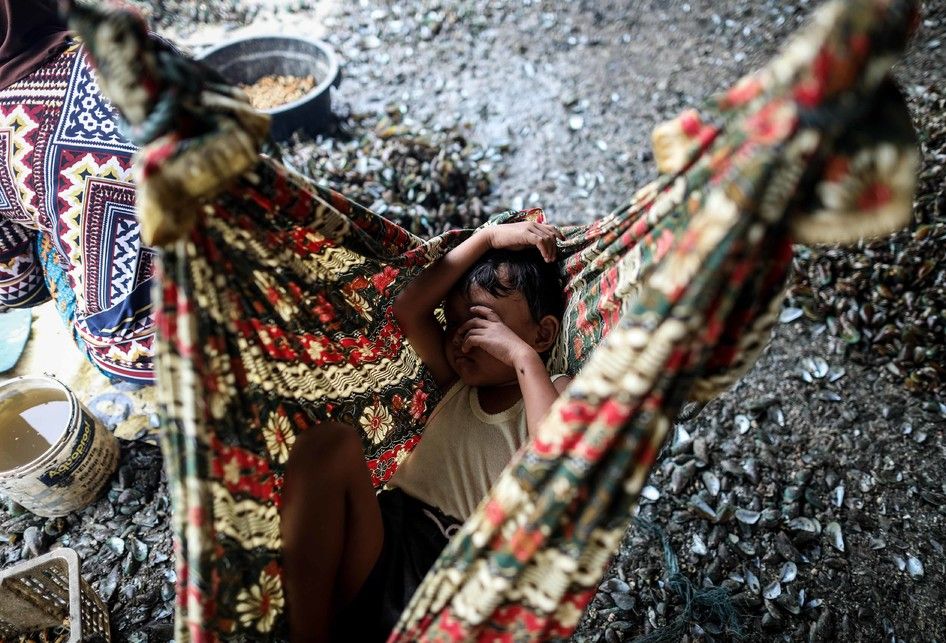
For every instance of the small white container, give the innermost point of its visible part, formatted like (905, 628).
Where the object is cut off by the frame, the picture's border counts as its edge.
(67, 471)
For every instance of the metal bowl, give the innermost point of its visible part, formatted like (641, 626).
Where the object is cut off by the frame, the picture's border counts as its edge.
(244, 61)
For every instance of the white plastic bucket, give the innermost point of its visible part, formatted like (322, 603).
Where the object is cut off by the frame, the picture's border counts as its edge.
(55, 456)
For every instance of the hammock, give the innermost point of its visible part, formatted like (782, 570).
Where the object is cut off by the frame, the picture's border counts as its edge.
(276, 313)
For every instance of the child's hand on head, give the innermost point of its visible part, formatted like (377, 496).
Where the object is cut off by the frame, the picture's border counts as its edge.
(487, 331)
(526, 234)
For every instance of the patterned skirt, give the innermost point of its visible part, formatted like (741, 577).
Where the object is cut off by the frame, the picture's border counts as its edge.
(67, 215)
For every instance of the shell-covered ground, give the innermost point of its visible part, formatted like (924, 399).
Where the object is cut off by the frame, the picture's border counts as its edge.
(813, 491)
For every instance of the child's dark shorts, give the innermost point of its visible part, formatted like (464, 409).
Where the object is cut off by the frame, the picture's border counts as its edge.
(414, 536)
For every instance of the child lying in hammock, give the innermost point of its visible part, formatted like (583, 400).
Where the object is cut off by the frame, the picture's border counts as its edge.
(353, 559)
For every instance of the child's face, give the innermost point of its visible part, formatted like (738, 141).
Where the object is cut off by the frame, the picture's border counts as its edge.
(477, 367)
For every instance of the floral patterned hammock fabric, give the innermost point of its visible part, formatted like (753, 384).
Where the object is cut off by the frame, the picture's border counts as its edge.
(276, 313)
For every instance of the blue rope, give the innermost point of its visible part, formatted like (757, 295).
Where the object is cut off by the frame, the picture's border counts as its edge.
(704, 605)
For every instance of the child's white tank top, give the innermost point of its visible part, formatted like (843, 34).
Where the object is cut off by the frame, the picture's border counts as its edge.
(462, 452)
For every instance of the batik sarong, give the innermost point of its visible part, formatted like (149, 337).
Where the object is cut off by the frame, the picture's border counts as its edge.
(276, 313)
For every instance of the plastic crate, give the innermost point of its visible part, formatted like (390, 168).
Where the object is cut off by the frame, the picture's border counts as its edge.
(48, 591)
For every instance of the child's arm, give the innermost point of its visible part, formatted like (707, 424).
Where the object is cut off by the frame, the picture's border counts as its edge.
(414, 307)
(487, 331)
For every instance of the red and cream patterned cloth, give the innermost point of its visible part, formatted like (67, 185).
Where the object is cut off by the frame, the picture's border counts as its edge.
(275, 314)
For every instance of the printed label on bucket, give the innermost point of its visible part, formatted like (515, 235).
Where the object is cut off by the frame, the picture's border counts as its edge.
(61, 475)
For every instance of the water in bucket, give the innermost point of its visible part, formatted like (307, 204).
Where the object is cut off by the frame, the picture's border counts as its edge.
(55, 456)
(30, 423)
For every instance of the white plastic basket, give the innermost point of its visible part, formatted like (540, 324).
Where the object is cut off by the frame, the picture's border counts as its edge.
(48, 591)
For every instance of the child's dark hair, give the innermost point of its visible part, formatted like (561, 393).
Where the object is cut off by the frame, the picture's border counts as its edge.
(525, 272)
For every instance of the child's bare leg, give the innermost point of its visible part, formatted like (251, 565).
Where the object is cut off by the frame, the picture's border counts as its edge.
(331, 527)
